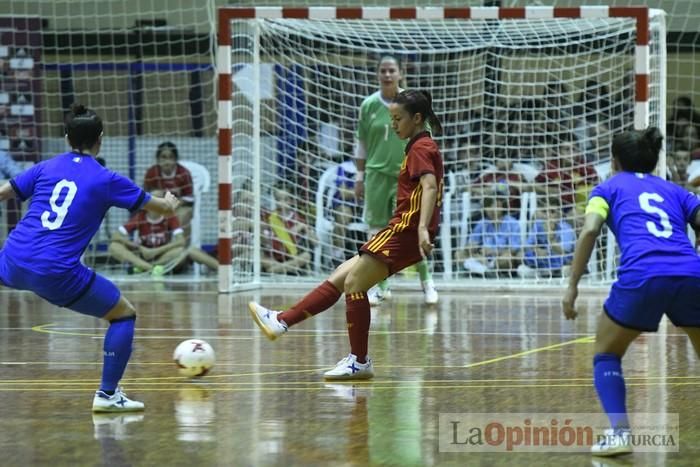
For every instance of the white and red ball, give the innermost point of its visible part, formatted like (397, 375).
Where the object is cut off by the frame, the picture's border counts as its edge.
(194, 357)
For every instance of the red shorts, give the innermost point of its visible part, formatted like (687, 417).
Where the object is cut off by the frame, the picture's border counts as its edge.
(397, 250)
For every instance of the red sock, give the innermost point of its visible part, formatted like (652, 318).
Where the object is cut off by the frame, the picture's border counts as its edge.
(319, 299)
(357, 315)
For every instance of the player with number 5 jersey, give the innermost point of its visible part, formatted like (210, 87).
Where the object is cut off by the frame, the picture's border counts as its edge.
(69, 195)
(659, 272)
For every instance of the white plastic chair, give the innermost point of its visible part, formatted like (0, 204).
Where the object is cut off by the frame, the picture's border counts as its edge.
(201, 181)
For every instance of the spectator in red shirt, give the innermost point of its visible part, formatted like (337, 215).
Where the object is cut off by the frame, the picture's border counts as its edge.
(168, 175)
(150, 241)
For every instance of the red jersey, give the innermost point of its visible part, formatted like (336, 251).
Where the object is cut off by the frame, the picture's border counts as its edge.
(422, 157)
(567, 179)
(152, 232)
(179, 183)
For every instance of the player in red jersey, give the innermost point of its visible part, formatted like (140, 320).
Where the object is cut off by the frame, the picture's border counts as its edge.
(406, 240)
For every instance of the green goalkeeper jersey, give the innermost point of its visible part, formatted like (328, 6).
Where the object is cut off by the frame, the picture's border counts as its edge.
(384, 149)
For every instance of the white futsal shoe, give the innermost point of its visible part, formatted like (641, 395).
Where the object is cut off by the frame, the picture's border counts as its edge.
(349, 368)
(613, 443)
(267, 320)
(117, 402)
(375, 295)
(431, 295)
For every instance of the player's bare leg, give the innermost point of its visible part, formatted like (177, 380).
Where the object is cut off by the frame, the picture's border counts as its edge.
(381, 291)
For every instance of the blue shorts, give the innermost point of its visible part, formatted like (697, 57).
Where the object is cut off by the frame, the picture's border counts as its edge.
(80, 290)
(641, 306)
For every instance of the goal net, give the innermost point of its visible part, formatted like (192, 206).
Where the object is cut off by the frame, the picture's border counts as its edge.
(529, 99)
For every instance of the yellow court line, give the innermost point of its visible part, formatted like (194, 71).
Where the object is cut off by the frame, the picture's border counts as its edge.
(42, 328)
(580, 340)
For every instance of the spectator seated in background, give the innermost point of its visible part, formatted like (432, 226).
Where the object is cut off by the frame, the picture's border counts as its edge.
(677, 164)
(158, 241)
(500, 177)
(287, 239)
(681, 116)
(567, 177)
(8, 167)
(550, 244)
(345, 208)
(242, 225)
(494, 245)
(168, 175)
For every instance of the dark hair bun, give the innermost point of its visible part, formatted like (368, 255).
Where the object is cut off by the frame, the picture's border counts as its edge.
(428, 96)
(78, 109)
(654, 138)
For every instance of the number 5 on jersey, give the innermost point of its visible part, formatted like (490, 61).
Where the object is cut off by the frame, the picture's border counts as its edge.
(666, 228)
(62, 209)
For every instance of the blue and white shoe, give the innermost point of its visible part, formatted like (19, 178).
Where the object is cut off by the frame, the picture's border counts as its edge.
(613, 443)
(117, 402)
(267, 320)
(349, 368)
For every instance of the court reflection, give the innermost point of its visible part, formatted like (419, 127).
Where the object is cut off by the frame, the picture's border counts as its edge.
(195, 414)
(113, 432)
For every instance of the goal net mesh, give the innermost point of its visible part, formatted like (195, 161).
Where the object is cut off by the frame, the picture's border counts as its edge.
(529, 108)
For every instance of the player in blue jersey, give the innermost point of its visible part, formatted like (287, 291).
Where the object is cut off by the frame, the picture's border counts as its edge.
(659, 270)
(70, 195)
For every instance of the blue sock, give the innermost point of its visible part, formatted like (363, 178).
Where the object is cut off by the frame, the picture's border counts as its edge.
(610, 385)
(117, 350)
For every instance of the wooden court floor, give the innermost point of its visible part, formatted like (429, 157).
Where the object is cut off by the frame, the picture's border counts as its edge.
(265, 403)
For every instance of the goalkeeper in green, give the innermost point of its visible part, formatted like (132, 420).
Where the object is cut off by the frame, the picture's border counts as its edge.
(379, 153)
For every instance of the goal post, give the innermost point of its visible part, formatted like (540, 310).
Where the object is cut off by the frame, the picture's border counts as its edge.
(541, 89)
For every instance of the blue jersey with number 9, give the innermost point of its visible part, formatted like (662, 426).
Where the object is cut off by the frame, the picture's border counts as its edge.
(70, 195)
(649, 217)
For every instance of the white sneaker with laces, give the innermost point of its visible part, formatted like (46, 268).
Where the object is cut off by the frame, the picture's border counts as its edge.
(117, 402)
(375, 296)
(267, 320)
(431, 295)
(350, 368)
(613, 443)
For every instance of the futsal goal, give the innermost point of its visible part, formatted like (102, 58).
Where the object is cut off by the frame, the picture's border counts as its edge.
(530, 98)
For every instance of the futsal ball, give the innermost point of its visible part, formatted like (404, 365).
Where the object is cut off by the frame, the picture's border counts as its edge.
(194, 357)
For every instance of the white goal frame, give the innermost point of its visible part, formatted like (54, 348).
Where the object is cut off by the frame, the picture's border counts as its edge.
(641, 16)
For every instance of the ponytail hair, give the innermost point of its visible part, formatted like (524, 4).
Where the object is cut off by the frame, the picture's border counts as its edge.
(83, 127)
(420, 102)
(638, 150)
